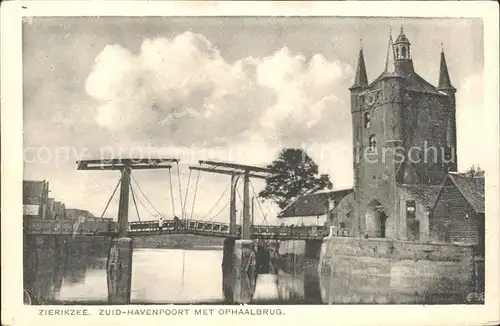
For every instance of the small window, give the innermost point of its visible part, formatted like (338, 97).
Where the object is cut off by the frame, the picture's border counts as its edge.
(403, 52)
(367, 121)
(373, 142)
(342, 225)
(410, 209)
(397, 52)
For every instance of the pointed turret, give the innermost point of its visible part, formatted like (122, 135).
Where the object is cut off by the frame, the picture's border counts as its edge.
(444, 83)
(390, 62)
(361, 79)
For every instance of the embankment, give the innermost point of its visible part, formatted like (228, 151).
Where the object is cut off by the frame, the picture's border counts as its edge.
(354, 270)
(50, 259)
(342, 270)
(296, 265)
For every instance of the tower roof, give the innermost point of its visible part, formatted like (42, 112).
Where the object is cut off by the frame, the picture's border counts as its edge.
(402, 37)
(444, 78)
(390, 61)
(361, 77)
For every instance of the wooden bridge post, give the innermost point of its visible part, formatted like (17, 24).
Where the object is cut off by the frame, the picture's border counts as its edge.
(245, 228)
(123, 204)
(119, 267)
(232, 209)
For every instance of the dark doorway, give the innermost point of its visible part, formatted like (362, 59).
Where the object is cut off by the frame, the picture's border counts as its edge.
(383, 219)
(376, 220)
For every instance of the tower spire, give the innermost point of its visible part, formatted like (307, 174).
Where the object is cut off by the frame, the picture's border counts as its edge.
(444, 78)
(390, 62)
(361, 79)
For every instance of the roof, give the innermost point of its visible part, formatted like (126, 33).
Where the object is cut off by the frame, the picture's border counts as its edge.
(412, 82)
(444, 77)
(472, 188)
(424, 194)
(404, 69)
(416, 83)
(361, 78)
(402, 38)
(317, 203)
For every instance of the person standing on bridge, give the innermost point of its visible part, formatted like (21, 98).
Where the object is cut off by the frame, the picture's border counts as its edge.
(177, 222)
(160, 223)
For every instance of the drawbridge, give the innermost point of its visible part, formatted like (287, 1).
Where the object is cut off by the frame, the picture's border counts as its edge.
(178, 225)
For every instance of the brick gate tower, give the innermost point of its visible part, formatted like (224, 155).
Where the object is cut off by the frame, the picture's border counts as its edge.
(404, 137)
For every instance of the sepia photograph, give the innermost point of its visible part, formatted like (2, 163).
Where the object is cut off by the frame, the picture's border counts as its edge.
(264, 160)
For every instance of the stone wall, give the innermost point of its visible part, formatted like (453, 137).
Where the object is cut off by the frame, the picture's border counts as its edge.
(354, 270)
(49, 259)
(296, 266)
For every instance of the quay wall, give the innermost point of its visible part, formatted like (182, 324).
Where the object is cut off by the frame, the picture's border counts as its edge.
(296, 266)
(49, 259)
(355, 270)
(349, 270)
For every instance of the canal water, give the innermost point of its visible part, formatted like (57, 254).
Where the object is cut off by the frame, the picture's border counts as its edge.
(158, 276)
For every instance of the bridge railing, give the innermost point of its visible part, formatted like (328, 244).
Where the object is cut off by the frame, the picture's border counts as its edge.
(55, 227)
(174, 226)
(289, 231)
(179, 226)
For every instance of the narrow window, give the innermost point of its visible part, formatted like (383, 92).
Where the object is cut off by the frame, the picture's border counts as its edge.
(373, 142)
(367, 120)
(403, 52)
(397, 52)
(410, 209)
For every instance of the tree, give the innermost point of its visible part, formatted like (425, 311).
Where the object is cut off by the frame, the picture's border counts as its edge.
(295, 174)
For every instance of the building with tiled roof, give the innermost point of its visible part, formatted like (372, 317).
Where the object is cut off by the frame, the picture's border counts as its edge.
(313, 208)
(459, 211)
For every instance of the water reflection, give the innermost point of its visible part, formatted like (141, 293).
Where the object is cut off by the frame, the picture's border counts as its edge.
(165, 276)
(158, 276)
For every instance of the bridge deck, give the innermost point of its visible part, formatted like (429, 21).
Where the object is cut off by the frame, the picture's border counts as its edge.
(193, 227)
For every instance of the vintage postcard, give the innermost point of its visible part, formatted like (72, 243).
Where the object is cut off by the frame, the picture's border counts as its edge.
(250, 162)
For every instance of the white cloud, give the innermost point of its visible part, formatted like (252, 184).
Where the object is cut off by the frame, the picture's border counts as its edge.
(183, 90)
(180, 98)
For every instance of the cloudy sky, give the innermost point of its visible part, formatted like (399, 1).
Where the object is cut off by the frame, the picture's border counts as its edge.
(231, 89)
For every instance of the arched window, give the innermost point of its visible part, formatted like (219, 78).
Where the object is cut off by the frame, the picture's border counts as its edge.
(373, 142)
(403, 52)
(367, 120)
(397, 52)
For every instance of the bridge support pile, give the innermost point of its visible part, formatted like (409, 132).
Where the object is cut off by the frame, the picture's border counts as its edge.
(239, 270)
(119, 270)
